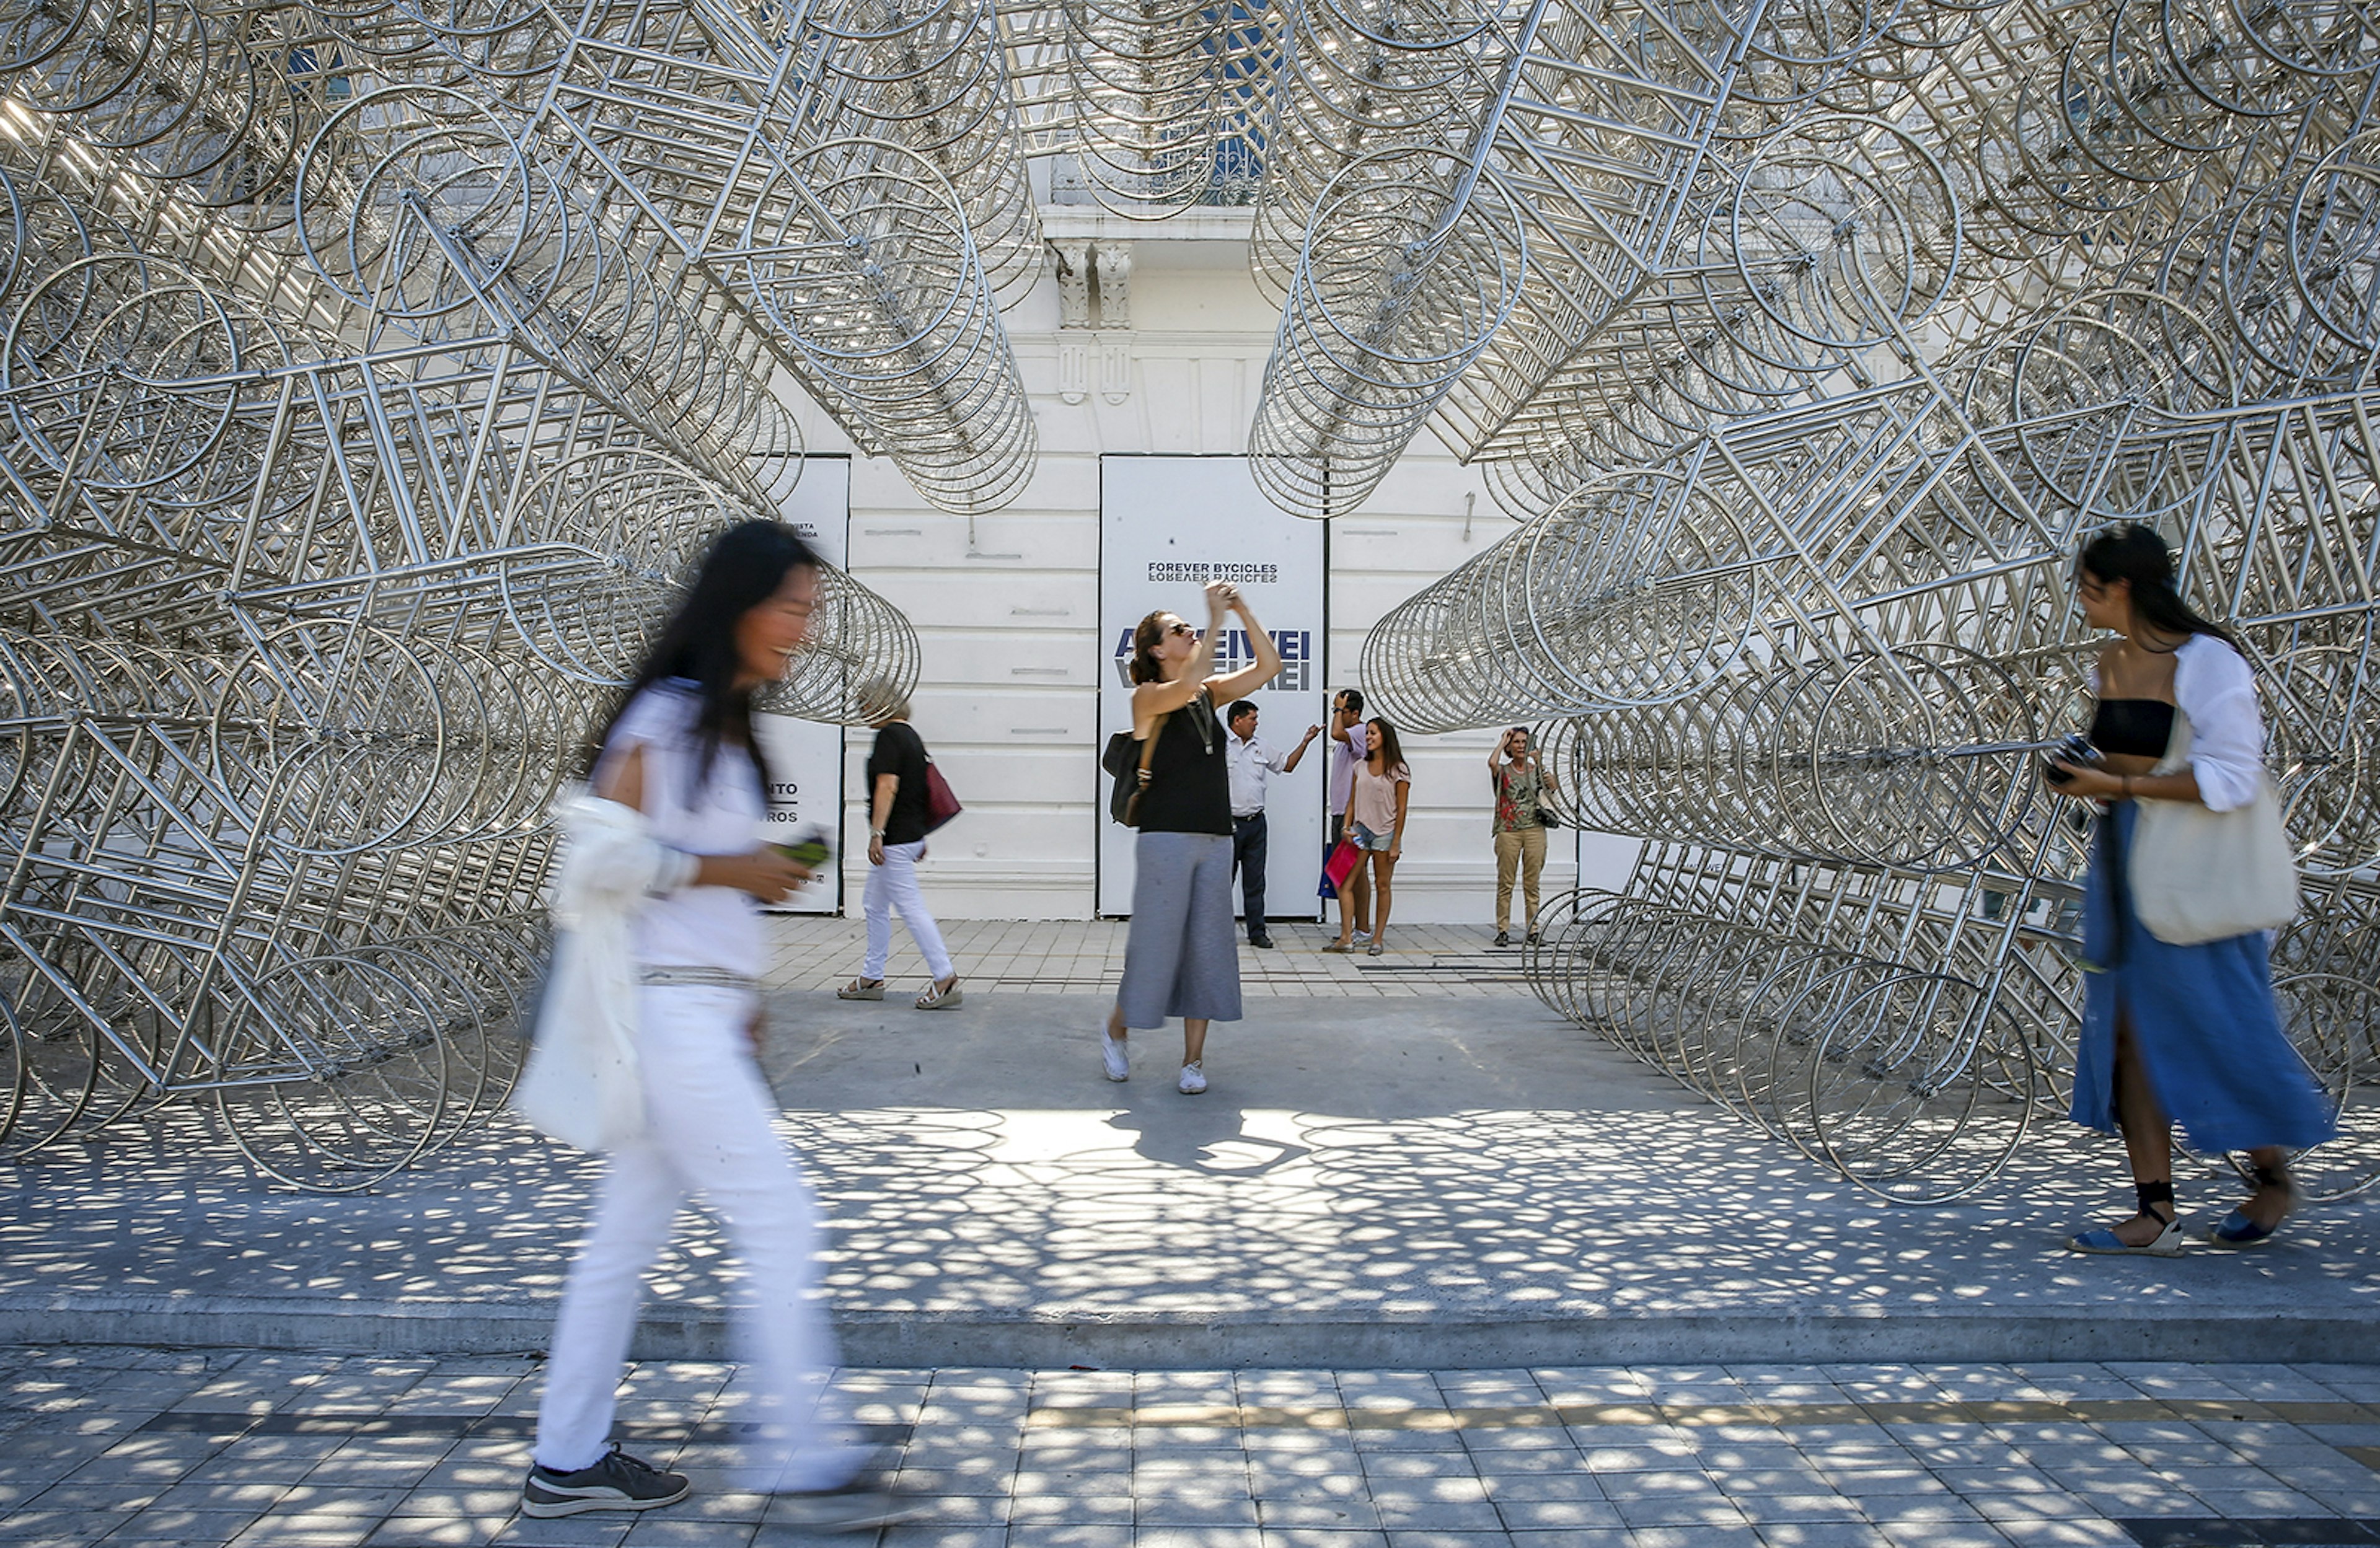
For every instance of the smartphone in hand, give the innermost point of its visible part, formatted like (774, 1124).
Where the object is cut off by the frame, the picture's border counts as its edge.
(811, 851)
(2075, 750)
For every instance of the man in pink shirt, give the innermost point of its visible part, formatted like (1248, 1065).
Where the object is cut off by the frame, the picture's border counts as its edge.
(1349, 746)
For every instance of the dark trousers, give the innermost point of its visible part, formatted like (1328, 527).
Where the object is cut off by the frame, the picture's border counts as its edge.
(1248, 858)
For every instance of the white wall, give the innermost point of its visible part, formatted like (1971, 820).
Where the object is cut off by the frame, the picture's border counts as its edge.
(1006, 608)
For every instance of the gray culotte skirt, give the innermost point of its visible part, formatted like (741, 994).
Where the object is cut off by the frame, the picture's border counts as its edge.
(1180, 957)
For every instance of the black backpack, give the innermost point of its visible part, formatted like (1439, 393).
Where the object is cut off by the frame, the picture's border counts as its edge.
(1130, 775)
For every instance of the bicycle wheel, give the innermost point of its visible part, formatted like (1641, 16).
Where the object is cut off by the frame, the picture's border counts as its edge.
(333, 1075)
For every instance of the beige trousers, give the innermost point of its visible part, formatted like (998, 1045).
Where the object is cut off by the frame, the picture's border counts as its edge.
(1524, 850)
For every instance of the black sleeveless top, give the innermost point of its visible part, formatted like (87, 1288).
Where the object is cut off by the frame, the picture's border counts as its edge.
(1189, 782)
(2136, 727)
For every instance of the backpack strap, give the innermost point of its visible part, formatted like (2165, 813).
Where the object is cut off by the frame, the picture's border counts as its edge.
(1148, 748)
(1148, 751)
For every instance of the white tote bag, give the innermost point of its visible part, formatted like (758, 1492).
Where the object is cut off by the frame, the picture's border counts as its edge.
(2198, 875)
(581, 1084)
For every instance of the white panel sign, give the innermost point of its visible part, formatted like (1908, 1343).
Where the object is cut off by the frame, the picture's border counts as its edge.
(1167, 525)
(805, 757)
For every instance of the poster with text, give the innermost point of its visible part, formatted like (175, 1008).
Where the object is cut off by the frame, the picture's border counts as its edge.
(1167, 526)
(805, 757)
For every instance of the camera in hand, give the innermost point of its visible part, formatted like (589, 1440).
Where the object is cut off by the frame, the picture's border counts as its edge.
(2075, 750)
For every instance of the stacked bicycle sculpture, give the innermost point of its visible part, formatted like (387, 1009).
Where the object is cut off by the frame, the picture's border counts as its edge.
(1791, 586)
(352, 432)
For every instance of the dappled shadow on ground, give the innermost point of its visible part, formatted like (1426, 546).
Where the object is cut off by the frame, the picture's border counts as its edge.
(1490, 1161)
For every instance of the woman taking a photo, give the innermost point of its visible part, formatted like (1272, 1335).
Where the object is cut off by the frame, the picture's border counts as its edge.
(2175, 1032)
(1522, 785)
(1179, 957)
(1375, 824)
(896, 842)
(680, 750)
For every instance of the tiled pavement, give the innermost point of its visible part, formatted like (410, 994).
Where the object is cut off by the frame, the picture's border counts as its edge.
(308, 1451)
(1044, 957)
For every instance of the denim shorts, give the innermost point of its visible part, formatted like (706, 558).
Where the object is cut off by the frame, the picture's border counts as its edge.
(1363, 838)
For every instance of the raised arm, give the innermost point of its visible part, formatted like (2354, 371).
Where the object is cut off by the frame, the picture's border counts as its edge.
(1249, 679)
(1299, 751)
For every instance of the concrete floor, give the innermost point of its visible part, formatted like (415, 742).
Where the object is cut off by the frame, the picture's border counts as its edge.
(1422, 1182)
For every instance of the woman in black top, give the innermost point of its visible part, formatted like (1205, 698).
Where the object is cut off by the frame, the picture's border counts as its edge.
(1179, 958)
(896, 842)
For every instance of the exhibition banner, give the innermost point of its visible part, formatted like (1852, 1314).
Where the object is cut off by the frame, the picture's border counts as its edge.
(805, 757)
(1167, 526)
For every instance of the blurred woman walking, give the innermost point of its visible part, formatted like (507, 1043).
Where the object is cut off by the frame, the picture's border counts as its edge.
(683, 772)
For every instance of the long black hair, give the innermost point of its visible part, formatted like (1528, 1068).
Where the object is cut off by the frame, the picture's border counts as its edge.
(744, 568)
(1384, 742)
(2135, 554)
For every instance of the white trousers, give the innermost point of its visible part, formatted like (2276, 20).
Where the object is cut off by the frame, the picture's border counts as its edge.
(706, 1130)
(891, 886)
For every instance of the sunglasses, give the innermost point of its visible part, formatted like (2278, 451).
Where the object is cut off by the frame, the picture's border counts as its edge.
(1179, 629)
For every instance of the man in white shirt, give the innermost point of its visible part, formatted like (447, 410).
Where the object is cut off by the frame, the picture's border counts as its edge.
(1252, 763)
(1350, 745)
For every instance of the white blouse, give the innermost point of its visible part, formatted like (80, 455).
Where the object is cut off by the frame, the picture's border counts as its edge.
(2216, 690)
(723, 814)
(2213, 684)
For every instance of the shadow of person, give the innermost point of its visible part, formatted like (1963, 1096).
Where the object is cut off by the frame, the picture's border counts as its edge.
(1199, 1136)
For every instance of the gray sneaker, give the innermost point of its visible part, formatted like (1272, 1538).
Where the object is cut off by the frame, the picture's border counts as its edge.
(617, 1482)
(861, 1506)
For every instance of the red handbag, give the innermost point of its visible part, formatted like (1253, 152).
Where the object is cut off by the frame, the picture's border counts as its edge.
(941, 804)
(1341, 864)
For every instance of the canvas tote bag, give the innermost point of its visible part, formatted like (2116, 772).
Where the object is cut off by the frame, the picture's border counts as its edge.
(2198, 875)
(582, 1085)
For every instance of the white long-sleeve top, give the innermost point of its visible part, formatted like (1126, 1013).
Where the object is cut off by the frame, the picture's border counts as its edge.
(2215, 689)
(2212, 685)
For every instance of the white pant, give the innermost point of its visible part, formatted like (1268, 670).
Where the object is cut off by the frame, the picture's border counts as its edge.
(707, 1128)
(891, 886)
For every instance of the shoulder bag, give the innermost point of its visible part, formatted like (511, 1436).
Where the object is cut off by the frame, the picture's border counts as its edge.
(1124, 800)
(1547, 816)
(2198, 875)
(941, 804)
(581, 1084)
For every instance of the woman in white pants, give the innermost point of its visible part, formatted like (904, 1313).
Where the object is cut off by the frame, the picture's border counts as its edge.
(681, 752)
(896, 842)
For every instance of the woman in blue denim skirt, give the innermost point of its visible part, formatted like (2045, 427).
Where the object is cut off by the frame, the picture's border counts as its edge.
(2175, 1032)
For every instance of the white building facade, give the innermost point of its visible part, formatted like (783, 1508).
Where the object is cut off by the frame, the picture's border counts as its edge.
(1163, 352)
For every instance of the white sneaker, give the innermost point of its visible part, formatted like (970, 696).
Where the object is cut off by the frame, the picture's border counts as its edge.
(1193, 1080)
(1111, 1054)
(1363, 938)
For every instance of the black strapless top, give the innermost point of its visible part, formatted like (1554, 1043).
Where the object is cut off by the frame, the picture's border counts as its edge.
(2136, 727)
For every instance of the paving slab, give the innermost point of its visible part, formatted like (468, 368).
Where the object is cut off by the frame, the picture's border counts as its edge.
(1427, 1181)
(410, 1470)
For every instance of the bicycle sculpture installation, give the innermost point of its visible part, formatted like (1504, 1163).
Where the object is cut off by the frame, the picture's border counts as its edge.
(1953, 287)
(366, 368)
(352, 429)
